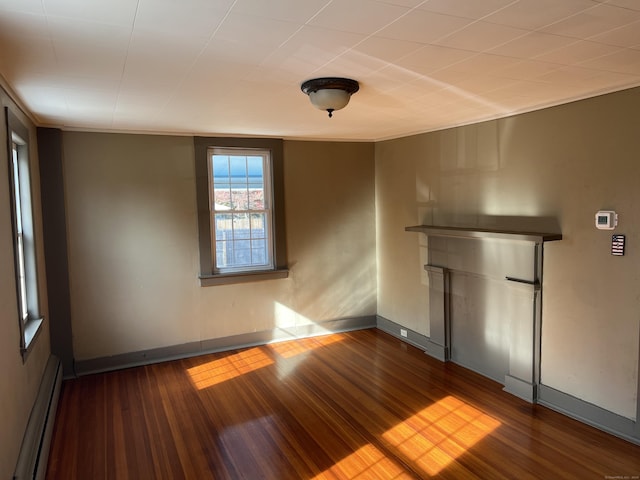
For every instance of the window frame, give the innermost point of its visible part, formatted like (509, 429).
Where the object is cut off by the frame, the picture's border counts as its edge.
(209, 275)
(23, 229)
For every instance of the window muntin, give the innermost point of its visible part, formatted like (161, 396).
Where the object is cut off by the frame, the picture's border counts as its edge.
(240, 190)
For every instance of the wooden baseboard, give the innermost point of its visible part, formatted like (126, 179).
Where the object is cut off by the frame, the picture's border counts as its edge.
(520, 388)
(590, 414)
(34, 452)
(414, 338)
(175, 352)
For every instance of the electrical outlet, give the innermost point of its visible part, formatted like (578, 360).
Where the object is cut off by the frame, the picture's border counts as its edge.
(403, 333)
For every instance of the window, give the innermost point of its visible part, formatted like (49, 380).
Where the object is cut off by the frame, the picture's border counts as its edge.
(21, 279)
(240, 210)
(23, 232)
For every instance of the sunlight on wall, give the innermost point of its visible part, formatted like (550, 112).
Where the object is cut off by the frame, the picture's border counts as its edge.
(365, 464)
(492, 202)
(436, 436)
(229, 367)
(287, 317)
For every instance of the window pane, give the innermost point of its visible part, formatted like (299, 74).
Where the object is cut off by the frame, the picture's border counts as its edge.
(238, 170)
(258, 256)
(220, 167)
(224, 226)
(242, 257)
(22, 280)
(257, 225)
(255, 180)
(259, 250)
(240, 198)
(221, 199)
(221, 183)
(256, 196)
(16, 188)
(242, 244)
(241, 226)
(223, 252)
(255, 168)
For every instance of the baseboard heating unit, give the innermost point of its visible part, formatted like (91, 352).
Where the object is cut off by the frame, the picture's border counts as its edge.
(34, 452)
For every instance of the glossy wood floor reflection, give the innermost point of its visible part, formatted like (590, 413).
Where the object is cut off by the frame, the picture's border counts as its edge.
(360, 405)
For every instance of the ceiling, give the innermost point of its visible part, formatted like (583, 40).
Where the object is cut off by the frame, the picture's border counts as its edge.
(234, 67)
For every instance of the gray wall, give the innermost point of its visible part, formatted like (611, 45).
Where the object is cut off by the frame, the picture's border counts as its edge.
(544, 170)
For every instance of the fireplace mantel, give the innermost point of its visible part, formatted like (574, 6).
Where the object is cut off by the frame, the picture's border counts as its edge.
(497, 326)
(480, 233)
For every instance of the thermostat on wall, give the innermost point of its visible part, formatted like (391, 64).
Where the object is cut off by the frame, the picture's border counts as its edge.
(606, 220)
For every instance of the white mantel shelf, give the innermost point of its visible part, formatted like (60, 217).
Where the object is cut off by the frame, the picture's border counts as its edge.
(480, 233)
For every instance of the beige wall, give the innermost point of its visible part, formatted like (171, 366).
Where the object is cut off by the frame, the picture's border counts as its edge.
(19, 381)
(555, 168)
(133, 246)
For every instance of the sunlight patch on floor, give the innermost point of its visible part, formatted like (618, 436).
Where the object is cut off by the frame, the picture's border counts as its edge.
(232, 366)
(435, 437)
(366, 463)
(229, 367)
(429, 441)
(305, 345)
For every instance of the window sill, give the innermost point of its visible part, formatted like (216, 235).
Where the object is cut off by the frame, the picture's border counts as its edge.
(242, 277)
(31, 329)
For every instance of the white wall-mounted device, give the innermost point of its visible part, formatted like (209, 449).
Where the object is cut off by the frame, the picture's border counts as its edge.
(606, 220)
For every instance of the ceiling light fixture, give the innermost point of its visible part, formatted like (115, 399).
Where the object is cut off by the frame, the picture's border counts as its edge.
(330, 93)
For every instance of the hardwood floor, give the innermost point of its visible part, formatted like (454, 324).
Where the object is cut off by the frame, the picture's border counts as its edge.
(359, 405)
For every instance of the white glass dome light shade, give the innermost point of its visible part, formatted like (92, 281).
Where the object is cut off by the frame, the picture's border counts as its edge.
(329, 99)
(330, 93)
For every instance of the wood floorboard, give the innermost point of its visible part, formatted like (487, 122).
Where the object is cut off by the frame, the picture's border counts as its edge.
(360, 405)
